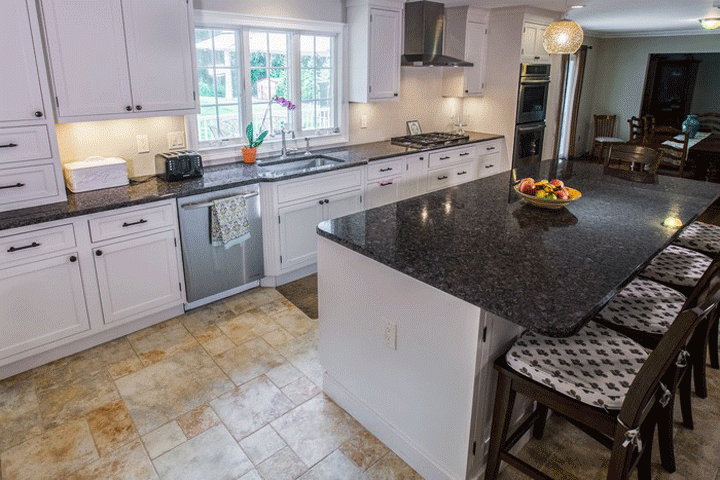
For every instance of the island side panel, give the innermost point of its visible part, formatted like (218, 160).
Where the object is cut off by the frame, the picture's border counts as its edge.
(418, 399)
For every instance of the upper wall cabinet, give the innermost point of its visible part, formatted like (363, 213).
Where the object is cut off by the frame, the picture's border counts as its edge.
(532, 43)
(120, 58)
(465, 38)
(375, 32)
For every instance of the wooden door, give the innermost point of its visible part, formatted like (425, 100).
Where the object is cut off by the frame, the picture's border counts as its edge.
(669, 89)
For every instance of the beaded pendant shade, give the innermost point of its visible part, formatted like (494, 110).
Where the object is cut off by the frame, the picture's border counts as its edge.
(563, 37)
(710, 23)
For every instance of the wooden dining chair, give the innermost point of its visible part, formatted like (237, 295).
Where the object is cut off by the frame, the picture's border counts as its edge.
(710, 122)
(601, 381)
(673, 157)
(648, 122)
(662, 133)
(632, 162)
(637, 130)
(604, 134)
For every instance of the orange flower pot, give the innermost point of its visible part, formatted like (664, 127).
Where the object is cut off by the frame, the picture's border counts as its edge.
(249, 155)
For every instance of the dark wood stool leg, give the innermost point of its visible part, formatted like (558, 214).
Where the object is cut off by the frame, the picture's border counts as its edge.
(698, 347)
(647, 433)
(504, 403)
(686, 401)
(539, 426)
(665, 424)
(713, 342)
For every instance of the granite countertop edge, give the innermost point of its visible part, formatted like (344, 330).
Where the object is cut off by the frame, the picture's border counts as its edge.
(219, 177)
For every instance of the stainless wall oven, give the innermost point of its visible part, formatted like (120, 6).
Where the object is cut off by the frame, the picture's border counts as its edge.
(533, 92)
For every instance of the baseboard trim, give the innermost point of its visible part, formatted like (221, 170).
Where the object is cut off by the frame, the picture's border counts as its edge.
(275, 281)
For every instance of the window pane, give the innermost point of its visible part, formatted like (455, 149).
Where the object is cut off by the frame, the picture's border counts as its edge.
(207, 124)
(229, 118)
(307, 51)
(206, 84)
(259, 85)
(323, 84)
(225, 48)
(278, 49)
(325, 115)
(258, 49)
(280, 116)
(203, 45)
(278, 83)
(308, 116)
(307, 84)
(323, 52)
(227, 85)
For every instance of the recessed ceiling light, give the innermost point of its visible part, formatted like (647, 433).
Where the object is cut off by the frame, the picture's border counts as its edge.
(577, 6)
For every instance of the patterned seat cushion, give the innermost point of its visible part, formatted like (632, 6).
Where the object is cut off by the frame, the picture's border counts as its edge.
(677, 266)
(595, 366)
(644, 305)
(700, 236)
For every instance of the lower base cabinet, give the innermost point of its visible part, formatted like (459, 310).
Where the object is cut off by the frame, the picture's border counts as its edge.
(41, 302)
(137, 275)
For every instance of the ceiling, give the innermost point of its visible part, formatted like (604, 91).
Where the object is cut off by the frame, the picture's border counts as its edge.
(613, 17)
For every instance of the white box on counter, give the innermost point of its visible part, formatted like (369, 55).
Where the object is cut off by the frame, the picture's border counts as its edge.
(95, 173)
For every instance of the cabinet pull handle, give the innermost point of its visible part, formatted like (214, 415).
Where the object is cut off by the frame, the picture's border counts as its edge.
(465, 154)
(489, 166)
(17, 185)
(38, 114)
(462, 173)
(385, 184)
(443, 177)
(386, 169)
(128, 108)
(73, 259)
(98, 253)
(489, 148)
(15, 249)
(444, 158)
(421, 158)
(138, 107)
(9, 145)
(142, 220)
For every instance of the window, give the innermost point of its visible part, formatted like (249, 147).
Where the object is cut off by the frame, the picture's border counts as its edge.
(245, 64)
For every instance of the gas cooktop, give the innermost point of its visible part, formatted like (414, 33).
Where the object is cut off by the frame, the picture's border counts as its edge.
(425, 140)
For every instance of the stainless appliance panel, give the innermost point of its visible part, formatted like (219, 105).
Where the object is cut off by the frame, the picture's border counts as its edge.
(533, 93)
(211, 270)
(527, 153)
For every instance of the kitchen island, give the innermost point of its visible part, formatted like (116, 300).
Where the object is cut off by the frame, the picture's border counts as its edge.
(417, 298)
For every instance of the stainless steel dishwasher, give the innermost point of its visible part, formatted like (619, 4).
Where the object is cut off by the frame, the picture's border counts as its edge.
(212, 273)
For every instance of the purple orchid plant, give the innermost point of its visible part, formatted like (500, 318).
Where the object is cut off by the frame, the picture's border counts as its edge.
(254, 142)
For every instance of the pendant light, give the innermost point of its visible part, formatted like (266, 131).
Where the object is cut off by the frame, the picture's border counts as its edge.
(563, 37)
(711, 23)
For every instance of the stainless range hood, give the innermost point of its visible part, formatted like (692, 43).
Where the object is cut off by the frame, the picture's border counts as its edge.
(424, 37)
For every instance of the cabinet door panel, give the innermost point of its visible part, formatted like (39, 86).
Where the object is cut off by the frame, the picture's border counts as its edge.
(384, 53)
(159, 54)
(138, 275)
(40, 302)
(415, 176)
(475, 53)
(297, 233)
(21, 96)
(343, 204)
(86, 41)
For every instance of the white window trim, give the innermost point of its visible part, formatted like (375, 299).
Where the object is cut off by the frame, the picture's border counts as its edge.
(231, 153)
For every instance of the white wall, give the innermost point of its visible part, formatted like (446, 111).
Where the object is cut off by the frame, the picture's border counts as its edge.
(706, 97)
(622, 65)
(325, 10)
(584, 122)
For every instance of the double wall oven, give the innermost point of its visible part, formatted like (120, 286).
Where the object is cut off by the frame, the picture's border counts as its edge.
(533, 91)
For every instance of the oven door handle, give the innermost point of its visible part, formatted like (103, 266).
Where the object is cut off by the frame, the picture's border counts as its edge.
(530, 128)
(196, 206)
(534, 81)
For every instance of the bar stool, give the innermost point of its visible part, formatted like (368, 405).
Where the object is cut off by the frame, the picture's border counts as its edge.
(604, 134)
(677, 267)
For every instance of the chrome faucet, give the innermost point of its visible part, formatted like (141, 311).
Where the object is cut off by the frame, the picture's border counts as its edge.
(307, 146)
(284, 150)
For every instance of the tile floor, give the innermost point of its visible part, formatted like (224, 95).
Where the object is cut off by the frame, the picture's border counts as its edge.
(233, 390)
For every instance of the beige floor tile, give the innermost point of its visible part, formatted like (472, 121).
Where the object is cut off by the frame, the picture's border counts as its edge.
(125, 367)
(251, 475)
(218, 344)
(249, 360)
(161, 341)
(316, 428)
(213, 454)
(262, 444)
(202, 322)
(159, 393)
(251, 406)
(129, 462)
(75, 397)
(111, 427)
(252, 299)
(335, 466)
(391, 467)
(284, 465)
(54, 455)
(247, 326)
(163, 439)
(301, 390)
(294, 321)
(279, 337)
(364, 449)
(284, 374)
(198, 420)
(19, 412)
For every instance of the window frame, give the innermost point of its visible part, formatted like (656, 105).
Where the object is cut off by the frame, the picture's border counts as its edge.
(295, 28)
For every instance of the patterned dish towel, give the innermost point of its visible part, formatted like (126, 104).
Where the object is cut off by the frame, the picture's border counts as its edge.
(229, 225)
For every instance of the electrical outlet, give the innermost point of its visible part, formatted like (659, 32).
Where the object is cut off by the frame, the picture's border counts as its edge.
(363, 121)
(143, 144)
(176, 140)
(389, 333)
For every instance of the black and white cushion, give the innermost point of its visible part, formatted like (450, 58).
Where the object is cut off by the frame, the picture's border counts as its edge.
(644, 305)
(677, 266)
(700, 236)
(595, 366)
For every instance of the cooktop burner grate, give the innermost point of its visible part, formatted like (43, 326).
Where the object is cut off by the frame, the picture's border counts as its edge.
(432, 139)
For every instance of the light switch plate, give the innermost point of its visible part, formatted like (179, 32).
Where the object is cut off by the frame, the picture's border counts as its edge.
(363, 121)
(143, 144)
(176, 140)
(389, 333)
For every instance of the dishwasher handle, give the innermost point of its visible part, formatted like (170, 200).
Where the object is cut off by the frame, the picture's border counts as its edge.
(196, 206)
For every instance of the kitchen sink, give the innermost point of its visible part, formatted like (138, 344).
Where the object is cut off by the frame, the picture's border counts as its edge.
(293, 165)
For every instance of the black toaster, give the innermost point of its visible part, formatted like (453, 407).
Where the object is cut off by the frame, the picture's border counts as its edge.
(180, 165)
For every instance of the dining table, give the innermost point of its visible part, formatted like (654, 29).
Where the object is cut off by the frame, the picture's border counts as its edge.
(705, 154)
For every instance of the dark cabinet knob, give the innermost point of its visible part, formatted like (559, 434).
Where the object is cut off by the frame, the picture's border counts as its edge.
(395, 94)
(320, 202)
(38, 114)
(138, 107)
(466, 91)
(73, 259)
(128, 108)
(98, 253)
(327, 201)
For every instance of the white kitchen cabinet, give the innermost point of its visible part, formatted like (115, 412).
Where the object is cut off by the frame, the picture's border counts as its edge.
(382, 192)
(465, 38)
(415, 175)
(532, 49)
(375, 32)
(120, 58)
(41, 301)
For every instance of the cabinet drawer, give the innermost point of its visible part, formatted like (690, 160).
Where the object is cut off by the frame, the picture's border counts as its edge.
(489, 148)
(27, 183)
(490, 165)
(24, 143)
(36, 242)
(450, 157)
(316, 185)
(128, 223)
(382, 192)
(384, 169)
(447, 177)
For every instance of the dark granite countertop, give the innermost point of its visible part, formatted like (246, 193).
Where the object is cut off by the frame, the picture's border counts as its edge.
(547, 270)
(214, 178)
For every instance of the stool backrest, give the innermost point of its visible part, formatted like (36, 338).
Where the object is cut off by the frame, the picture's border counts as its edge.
(674, 153)
(632, 162)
